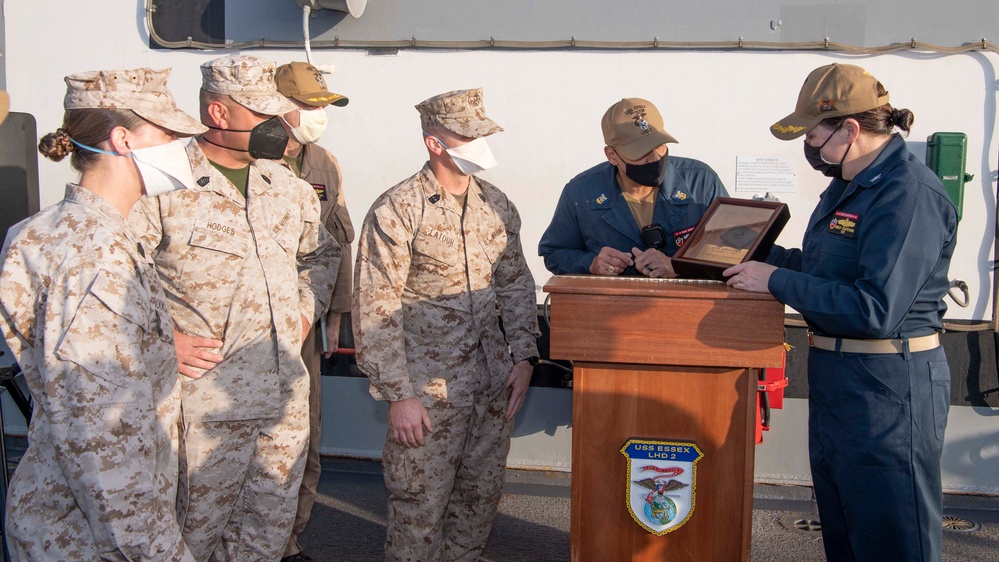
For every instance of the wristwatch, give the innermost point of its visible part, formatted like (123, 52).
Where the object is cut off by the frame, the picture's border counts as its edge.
(533, 360)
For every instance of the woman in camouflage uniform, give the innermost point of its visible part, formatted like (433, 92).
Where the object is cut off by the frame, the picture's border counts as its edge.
(84, 312)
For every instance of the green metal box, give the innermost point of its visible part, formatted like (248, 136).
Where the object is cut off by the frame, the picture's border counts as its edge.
(947, 155)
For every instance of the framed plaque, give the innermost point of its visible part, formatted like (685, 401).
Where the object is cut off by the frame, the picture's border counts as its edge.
(732, 231)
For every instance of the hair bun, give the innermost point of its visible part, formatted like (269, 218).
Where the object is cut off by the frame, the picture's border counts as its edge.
(55, 146)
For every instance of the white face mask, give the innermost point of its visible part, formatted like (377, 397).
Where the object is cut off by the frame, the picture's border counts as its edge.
(312, 125)
(164, 168)
(471, 157)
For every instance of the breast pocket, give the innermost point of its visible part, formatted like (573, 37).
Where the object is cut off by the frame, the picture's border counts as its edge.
(681, 213)
(219, 238)
(839, 246)
(104, 338)
(432, 270)
(284, 224)
(493, 244)
(209, 270)
(837, 255)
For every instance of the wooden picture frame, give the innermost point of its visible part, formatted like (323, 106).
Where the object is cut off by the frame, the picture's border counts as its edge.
(732, 231)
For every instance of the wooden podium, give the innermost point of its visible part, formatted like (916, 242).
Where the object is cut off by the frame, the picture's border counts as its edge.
(658, 361)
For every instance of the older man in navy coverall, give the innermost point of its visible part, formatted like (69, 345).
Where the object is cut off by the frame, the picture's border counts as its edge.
(598, 221)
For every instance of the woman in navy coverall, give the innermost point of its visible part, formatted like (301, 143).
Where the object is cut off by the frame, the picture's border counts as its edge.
(869, 280)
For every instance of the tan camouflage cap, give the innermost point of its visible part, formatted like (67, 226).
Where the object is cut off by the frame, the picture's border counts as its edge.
(305, 83)
(142, 90)
(634, 127)
(248, 81)
(460, 112)
(834, 90)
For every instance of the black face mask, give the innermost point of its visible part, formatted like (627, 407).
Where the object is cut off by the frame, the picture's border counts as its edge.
(267, 140)
(651, 174)
(814, 157)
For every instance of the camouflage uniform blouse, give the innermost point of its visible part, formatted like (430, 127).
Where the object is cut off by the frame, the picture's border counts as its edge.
(431, 287)
(244, 271)
(84, 312)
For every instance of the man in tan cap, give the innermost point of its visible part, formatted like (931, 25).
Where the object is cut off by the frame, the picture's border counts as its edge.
(439, 254)
(597, 227)
(305, 87)
(248, 269)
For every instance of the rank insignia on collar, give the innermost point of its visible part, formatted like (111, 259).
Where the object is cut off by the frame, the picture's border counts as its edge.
(601, 199)
(434, 198)
(661, 480)
(679, 195)
(203, 181)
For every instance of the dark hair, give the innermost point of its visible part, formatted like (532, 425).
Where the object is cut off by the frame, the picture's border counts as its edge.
(85, 126)
(881, 120)
(205, 99)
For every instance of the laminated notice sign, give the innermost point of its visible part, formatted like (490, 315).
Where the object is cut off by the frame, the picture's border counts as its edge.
(661, 481)
(757, 174)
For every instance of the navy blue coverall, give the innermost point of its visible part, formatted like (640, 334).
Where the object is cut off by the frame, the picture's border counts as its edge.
(592, 213)
(876, 421)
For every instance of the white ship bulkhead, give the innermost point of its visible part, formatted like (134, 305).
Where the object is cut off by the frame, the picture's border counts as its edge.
(718, 103)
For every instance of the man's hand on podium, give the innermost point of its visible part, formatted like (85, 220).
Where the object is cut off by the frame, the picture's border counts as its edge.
(751, 276)
(653, 263)
(610, 262)
(407, 418)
